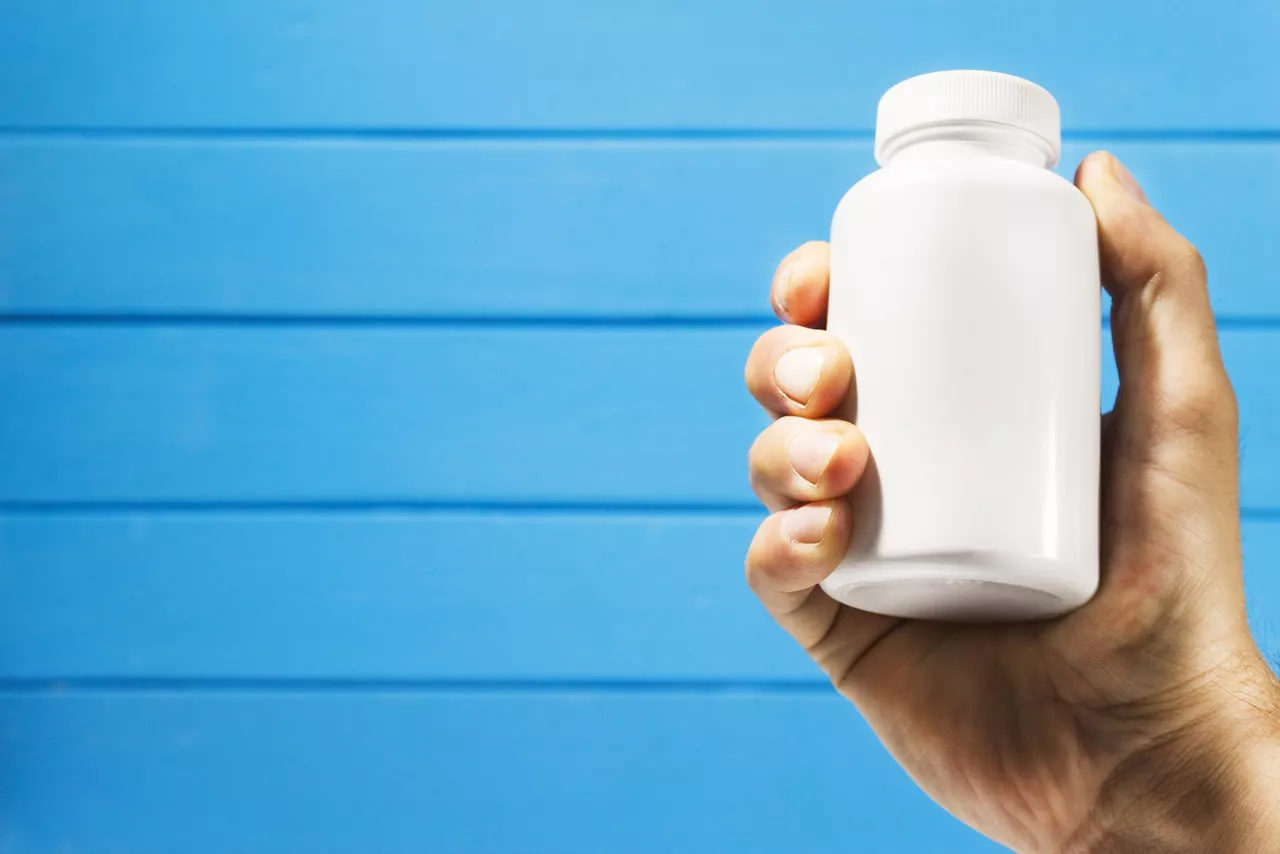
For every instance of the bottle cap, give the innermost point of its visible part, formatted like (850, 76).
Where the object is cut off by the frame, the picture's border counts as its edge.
(968, 96)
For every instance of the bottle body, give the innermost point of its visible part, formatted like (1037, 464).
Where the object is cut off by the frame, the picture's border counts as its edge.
(964, 281)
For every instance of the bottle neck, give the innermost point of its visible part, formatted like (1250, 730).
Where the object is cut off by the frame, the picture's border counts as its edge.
(976, 139)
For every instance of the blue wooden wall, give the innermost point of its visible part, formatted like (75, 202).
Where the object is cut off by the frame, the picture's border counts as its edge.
(372, 430)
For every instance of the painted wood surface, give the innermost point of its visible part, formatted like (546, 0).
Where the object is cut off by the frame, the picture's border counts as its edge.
(477, 414)
(372, 417)
(503, 228)
(442, 597)
(574, 64)
(400, 770)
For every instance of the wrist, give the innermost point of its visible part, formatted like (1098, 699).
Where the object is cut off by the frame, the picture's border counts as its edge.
(1211, 784)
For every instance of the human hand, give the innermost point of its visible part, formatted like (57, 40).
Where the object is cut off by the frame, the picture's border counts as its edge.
(1146, 720)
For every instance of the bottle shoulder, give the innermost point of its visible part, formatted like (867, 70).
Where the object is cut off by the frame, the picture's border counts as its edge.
(985, 181)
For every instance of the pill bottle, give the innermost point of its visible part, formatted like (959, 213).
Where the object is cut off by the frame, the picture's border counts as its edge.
(964, 281)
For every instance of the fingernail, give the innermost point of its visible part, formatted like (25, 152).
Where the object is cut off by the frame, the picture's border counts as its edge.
(1126, 180)
(806, 524)
(797, 372)
(780, 290)
(810, 451)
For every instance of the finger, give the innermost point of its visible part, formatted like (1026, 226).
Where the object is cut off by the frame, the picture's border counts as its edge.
(792, 552)
(797, 371)
(799, 292)
(1175, 399)
(797, 460)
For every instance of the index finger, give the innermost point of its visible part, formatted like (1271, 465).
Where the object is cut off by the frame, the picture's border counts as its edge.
(799, 292)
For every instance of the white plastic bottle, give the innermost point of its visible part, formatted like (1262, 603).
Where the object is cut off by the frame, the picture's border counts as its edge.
(964, 281)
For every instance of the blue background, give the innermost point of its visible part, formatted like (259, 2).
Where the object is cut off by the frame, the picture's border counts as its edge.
(372, 432)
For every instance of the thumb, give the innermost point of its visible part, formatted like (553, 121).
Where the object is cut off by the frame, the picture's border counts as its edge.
(1175, 408)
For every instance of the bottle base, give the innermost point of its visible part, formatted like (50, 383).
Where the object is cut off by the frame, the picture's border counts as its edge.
(959, 587)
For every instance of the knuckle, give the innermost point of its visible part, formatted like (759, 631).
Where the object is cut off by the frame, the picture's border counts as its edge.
(1202, 407)
(1191, 261)
(1186, 266)
(1182, 270)
(1231, 408)
(1221, 400)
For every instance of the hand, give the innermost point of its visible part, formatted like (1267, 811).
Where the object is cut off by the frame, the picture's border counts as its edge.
(1146, 720)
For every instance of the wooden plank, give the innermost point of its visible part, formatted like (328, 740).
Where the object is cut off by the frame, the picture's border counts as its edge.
(386, 413)
(209, 413)
(392, 772)
(411, 596)
(501, 229)
(572, 63)
(385, 596)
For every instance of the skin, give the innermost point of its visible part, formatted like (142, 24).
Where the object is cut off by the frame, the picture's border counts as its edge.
(1145, 721)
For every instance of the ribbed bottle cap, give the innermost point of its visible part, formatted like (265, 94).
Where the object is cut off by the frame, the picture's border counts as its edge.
(974, 96)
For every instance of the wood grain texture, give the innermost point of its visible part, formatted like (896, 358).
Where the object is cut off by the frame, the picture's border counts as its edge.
(367, 596)
(502, 229)
(665, 63)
